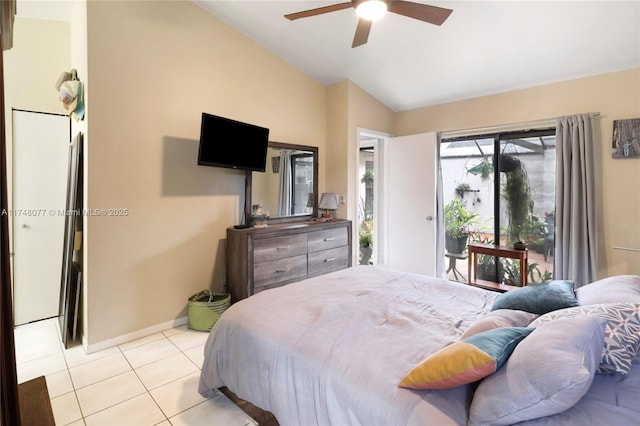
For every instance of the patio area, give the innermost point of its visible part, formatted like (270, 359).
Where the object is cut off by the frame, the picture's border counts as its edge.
(458, 266)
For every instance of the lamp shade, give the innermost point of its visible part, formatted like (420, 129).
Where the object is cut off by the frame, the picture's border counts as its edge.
(328, 201)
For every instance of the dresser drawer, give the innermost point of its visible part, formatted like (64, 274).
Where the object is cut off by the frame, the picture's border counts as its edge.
(326, 261)
(272, 248)
(276, 271)
(327, 239)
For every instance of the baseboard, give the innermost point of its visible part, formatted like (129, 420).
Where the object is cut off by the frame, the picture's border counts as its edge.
(105, 344)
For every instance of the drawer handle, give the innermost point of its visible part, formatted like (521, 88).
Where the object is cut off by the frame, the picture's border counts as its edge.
(329, 239)
(283, 248)
(330, 259)
(281, 271)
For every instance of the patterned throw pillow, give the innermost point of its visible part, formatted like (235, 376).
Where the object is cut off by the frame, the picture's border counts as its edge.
(621, 334)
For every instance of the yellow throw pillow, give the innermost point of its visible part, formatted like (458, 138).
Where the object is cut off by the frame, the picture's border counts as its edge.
(466, 361)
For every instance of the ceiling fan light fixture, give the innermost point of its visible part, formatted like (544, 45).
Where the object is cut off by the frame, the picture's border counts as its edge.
(371, 10)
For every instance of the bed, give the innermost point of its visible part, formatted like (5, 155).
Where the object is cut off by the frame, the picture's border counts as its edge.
(331, 350)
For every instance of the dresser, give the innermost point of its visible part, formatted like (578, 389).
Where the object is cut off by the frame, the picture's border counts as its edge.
(261, 258)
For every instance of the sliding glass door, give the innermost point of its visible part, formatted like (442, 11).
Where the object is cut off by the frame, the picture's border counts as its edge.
(500, 189)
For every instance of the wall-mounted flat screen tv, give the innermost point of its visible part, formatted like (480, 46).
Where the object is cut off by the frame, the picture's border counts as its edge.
(229, 143)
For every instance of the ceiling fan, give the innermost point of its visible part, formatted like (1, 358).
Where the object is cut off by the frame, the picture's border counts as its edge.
(370, 10)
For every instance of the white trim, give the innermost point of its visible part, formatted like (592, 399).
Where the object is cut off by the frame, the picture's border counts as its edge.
(377, 142)
(523, 126)
(512, 127)
(374, 134)
(105, 344)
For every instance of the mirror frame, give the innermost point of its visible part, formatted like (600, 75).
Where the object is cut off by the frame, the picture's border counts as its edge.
(284, 219)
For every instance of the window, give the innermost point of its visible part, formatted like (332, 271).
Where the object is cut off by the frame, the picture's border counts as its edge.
(302, 183)
(505, 183)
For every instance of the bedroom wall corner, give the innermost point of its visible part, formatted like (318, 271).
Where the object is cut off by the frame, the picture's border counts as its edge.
(349, 108)
(79, 61)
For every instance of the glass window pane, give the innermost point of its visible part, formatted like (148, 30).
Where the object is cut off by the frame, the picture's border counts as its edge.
(527, 183)
(302, 165)
(525, 207)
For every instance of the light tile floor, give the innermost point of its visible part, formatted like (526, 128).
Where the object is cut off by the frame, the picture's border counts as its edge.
(149, 381)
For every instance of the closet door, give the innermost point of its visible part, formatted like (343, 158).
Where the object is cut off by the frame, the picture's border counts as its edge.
(410, 194)
(40, 150)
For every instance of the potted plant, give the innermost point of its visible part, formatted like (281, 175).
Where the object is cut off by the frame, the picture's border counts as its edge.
(487, 265)
(367, 177)
(533, 233)
(484, 168)
(366, 243)
(457, 221)
(517, 194)
(462, 189)
(487, 268)
(512, 273)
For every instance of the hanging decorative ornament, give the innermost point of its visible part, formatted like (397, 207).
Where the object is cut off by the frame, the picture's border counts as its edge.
(71, 94)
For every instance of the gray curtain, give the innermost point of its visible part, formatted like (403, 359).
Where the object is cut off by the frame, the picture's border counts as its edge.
(284, 202)
(575, 256)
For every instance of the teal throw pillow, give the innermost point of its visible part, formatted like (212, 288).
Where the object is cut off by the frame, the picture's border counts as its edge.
(539, 298)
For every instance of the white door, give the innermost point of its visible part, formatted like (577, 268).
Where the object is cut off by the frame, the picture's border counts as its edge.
(410, 200)
(40, 151)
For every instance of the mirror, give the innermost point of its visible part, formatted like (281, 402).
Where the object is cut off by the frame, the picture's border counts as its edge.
(288, 189)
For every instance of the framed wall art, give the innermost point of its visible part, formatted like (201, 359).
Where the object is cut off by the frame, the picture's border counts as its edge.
(626, 138)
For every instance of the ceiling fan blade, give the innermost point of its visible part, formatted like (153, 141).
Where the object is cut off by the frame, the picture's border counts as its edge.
(362, 32)
(318, 11)
(423, 12)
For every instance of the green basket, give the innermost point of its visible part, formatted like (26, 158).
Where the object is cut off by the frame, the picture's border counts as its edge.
(205, 308)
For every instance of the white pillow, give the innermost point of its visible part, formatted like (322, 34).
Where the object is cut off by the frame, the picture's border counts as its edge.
(498, 319)
(547, 373)
(616, 289)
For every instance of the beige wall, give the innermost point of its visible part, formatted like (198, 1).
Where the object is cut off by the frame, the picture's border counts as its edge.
(155, 67)
(40, 53)
(349, 108)
(338, 132)
(31, 68)
(615, 96)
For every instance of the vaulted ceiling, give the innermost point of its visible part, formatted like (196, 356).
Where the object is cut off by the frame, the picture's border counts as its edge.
(484, 47)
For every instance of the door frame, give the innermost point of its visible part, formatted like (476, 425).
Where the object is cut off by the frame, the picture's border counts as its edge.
(378, 141)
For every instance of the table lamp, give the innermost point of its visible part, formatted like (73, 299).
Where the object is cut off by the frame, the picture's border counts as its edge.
(328, 201)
